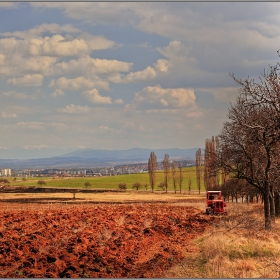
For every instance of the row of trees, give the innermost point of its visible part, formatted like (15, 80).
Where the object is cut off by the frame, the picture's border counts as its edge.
(176, 173)
(246, 154)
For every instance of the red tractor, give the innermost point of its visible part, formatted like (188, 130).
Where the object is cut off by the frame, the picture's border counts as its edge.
(214, 203)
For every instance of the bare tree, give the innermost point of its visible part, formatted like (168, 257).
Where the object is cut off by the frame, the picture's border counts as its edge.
(174, 175)
(249, 141)
(166, 170)
(211, 170)
(41, 182)
(198, 161)
(189, 185)
(180, 178)
(152, 168)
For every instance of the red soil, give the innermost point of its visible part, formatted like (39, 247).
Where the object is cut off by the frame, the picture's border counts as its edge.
(108, 241)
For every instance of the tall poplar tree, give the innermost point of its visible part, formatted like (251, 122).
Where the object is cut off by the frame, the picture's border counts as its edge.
(152, 168)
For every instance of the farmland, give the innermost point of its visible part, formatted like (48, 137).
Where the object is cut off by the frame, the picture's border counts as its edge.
(160, 239)
(132, 234)
(111, 241)
(108, 182)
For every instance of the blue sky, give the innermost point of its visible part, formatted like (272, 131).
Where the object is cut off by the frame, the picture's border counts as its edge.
(118, 75)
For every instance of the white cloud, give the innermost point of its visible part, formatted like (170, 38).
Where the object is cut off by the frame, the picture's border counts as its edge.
(4, 148)
(52, 28)
(8, 5)
(78, 83)
(149, 73)
(118, 101)
(94, 97)
(29, 53)
(40, 126)
(31, 125)
(89, 66)
(28, 80)
(74, 109)
(57, 45)
(38, 64)
(105, 13)
(58, 92)
(157, 97)
(39, 147)
(17, 95)
(9, 115)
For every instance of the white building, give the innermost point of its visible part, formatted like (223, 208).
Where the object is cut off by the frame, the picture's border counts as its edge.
(6, 172)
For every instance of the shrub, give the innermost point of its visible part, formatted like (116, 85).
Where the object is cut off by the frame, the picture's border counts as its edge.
(162, 186)
(4, 181)
(41, 182)
(122, 186)
(136, 186)
(87, 184)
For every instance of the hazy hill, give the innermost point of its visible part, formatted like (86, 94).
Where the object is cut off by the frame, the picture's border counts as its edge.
(88, 158)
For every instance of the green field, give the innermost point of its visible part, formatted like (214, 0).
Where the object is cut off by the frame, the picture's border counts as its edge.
(109, 182)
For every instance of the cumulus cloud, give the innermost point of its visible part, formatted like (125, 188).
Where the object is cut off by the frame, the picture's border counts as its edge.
(17, 95)
(58, 92)
(88, 66)
(149, 73)
(16, 62)
(57, 45)
(78, 83)
(118, 101)
(30, 125)
(8, 115)
(157, 97)
(28, 80)
(27, 52)
(52, 28)
(94, 97)
(74, 109)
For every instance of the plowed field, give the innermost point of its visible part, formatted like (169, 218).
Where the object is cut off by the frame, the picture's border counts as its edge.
(109, 241)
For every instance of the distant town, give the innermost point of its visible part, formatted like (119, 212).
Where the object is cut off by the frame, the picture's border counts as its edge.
(82, 172)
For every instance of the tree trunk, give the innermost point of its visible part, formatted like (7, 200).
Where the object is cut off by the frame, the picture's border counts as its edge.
(277, 204)
(267, 220)
(272, 207)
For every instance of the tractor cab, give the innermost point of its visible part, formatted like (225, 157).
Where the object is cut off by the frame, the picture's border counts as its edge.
(214, 203)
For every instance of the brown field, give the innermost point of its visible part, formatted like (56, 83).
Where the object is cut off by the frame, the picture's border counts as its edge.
(107, 240)
(133, 234)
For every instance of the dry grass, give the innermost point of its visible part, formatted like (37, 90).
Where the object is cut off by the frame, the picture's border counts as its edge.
(236, 247)
(108, 196)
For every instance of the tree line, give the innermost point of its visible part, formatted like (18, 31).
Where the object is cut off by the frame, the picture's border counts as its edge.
(244, 159)
(176, 173)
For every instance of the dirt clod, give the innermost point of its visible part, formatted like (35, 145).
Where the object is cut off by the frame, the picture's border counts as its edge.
(107, 241)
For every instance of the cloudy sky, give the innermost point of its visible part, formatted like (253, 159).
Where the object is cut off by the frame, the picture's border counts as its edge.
(108, 75)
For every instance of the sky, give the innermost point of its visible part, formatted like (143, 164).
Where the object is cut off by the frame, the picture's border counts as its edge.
(120, 75)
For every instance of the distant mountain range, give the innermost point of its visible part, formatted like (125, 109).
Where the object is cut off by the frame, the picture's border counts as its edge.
(89, 158)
